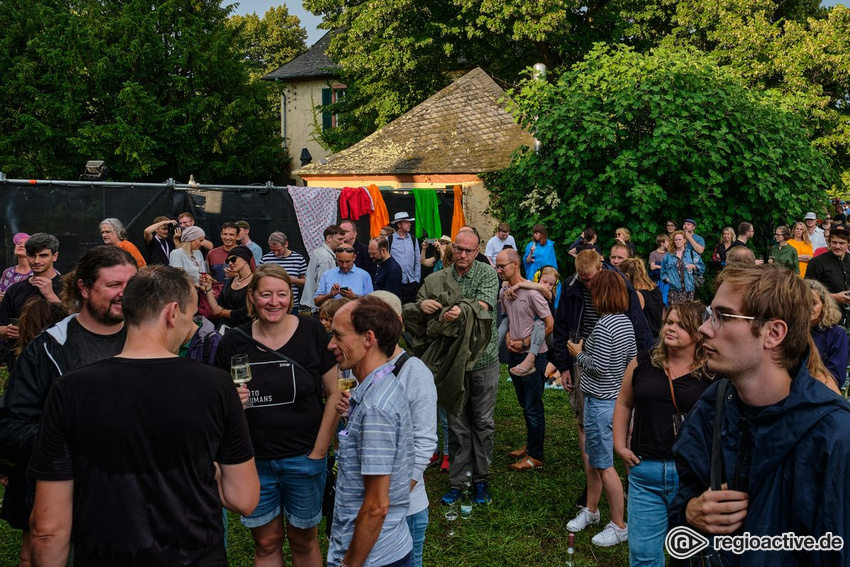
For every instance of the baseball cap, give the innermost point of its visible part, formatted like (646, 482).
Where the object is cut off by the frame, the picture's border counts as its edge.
(810, 216)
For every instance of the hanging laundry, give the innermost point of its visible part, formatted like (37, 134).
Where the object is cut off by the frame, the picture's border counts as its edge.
(315, 209)
(458, 220)
(381, 217)
(354, 203)
(427, 213)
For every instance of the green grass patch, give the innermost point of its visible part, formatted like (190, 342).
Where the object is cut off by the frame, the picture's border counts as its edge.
(525, 524)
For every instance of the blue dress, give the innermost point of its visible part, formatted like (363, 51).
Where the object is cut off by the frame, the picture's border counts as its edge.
(544, 255)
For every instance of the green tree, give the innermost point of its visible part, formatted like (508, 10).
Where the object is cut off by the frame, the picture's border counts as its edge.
(397, 53)
(39, 41)
(156, 90)
(270, 41)
(629, 139)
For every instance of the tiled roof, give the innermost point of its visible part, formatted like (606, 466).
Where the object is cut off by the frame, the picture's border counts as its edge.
(461, 129)
(312, 64)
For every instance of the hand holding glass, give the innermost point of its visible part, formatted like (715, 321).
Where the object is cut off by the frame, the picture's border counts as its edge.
(240, 371)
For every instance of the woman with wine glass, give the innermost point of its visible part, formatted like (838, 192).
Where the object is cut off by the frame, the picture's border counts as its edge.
(189, 257)
(292, 417)
(230, 307)
(660, 386)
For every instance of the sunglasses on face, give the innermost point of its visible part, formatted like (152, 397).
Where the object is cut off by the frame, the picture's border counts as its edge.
(231, 259)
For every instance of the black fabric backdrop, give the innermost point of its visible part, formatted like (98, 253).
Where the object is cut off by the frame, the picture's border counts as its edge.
(73, 213)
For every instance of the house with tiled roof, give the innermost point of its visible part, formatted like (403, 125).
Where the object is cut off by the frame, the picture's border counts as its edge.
(446, 141)
(307, 82)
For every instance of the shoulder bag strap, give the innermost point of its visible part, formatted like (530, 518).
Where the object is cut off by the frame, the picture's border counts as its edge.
(716, 442)
(280, 355)
(672, 394)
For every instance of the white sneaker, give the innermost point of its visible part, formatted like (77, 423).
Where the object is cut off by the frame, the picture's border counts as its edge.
(584, 519)
(611, 535)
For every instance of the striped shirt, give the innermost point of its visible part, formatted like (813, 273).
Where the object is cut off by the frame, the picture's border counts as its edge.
(589, 316)
(377, 441)
(294, 264)
(607, 352)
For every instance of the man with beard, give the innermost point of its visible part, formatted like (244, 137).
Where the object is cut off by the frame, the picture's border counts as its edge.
(97, 332)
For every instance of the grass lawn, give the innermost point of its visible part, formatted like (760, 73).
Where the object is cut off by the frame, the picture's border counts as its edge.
(525, 524)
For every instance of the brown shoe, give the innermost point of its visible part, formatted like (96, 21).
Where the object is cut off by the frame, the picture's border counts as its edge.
(519, 453)
(525, 464)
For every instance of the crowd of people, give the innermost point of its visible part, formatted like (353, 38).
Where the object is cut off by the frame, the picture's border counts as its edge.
(124, 441)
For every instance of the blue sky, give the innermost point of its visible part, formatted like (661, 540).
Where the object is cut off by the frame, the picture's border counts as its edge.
(311, 22)
(308, 20)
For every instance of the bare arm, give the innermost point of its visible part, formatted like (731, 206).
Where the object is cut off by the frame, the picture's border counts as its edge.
(238, 486)
(427, 262)
(622, 416)
(149, 231)
(51, 523)
(330, 418)
(549, 322)
(370, 519)
(528, 284)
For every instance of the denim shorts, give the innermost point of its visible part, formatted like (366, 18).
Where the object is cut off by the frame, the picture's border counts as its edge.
(599, 431)
(296, 485)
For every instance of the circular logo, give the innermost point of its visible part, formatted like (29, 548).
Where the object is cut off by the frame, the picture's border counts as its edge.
(682, 542)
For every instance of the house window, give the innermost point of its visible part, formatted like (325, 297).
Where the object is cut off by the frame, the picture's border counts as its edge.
(331, 95)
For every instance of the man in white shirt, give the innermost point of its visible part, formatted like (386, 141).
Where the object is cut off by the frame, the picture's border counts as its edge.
(322, 259)
(498, 242)
(815, 232)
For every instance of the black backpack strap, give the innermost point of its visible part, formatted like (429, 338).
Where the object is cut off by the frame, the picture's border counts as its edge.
(206, 347)
(716, 442)
(400, 362)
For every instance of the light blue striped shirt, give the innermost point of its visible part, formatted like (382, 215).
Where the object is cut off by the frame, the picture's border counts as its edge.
(405, 252)
(377, 441)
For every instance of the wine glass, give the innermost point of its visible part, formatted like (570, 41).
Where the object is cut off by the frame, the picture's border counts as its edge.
(240, 371)
(451, 516)
(203, 267)
(345, 382)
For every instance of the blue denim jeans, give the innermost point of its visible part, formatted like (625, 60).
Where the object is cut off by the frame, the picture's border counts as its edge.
(529, 394)
(417, 523)
(652, 486)
(293, 486)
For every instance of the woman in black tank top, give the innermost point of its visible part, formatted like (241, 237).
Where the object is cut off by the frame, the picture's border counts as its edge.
(660, 386)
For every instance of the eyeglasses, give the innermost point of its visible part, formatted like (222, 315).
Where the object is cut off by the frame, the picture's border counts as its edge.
(461, 251)
(503, 266)
(346, 249)
(231, 259)
(716, 317)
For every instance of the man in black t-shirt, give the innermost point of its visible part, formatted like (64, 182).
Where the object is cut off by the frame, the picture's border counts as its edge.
(139, 476)
(42, 250)
(157, 241)
(95, 333)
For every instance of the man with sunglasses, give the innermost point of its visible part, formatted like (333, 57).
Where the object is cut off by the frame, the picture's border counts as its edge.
(782, 439)
(346, 280)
